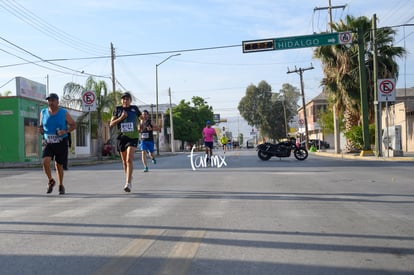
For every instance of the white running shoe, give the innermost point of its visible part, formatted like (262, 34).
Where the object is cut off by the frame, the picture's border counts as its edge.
(127, 187)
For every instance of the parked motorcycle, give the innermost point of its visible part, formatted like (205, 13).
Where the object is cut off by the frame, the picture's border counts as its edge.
(281, 150)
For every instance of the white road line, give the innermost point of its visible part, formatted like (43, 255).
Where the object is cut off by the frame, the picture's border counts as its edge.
(83, 210)
(157, 208)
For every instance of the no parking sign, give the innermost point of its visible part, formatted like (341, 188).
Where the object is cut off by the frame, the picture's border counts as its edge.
(88, 101)
(386, 90)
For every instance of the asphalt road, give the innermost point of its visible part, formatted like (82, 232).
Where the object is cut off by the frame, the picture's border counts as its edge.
(319, 216)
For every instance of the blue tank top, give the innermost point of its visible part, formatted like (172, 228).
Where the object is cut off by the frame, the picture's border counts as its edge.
(51, 123)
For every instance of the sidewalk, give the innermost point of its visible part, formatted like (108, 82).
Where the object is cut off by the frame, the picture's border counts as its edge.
(93, 160)
(407, 156)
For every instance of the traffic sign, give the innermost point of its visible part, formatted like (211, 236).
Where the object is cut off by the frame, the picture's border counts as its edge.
(386, 90)
(315, 40)
(88, 101)
(216, 118)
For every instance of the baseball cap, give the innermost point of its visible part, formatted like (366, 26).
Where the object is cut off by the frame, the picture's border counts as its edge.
(52, 96)
(126, 94)
(208, 122)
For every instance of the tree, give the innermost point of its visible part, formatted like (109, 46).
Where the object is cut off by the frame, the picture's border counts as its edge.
(289, 96)
(105, 103)
(263, 109)
(190, 120)
(341, 69)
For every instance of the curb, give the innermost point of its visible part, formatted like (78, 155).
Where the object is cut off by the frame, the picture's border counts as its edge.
(358, 157)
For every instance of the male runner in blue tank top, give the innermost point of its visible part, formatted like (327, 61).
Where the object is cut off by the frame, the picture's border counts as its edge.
(126, 118)
(55, 125)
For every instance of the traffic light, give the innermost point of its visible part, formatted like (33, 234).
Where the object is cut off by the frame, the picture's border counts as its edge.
(258, 45)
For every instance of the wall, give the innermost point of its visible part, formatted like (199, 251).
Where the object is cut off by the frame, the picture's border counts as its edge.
(19, 140)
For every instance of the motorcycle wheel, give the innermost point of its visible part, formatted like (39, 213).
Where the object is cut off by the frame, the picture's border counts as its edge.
(263, 155)
(300, 153)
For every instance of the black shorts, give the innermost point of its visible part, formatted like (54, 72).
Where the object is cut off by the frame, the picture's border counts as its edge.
(208, 144)
(57, 151)
(124, 142)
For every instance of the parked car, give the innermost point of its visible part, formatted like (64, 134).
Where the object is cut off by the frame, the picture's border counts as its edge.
(107, 148)
(319, 144)
(250, 143)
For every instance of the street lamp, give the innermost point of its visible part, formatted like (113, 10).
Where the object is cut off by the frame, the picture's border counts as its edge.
(156, 95)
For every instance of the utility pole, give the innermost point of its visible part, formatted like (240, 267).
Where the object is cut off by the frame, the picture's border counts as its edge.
(171, 124)
(300, 72)
(378, 106)
(113, 130)
(335, 117)
(113, 67)
(330, 8)
(363, 92)
(152, 111)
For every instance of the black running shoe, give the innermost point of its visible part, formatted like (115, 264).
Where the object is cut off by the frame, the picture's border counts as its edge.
(50, 186)
(61, 189)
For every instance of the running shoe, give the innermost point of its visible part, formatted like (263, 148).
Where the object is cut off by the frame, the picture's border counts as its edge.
(146, 169)
(50, 186)
(61, 189)
(127, 187)
(154, 161)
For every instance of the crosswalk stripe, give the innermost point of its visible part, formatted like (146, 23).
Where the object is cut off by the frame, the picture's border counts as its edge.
(128, 256)
(83, 210)
(157, 208)
(185, 251)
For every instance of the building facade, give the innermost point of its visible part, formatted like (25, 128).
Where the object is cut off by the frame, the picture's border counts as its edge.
(398, 114)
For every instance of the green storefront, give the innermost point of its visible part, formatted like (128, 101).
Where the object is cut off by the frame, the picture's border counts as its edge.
(19, 139)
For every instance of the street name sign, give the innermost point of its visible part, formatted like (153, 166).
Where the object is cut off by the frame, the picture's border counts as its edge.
(315, 40)
(295, 42)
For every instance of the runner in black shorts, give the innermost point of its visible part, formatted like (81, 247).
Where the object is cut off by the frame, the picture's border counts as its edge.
(55, 125)
(125, 117)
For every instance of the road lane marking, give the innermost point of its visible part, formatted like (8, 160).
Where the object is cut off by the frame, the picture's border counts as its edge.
(85, 209)
(157, 208)
(127, 257)
(181, 256)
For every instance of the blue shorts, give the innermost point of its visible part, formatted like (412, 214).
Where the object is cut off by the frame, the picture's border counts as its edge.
(147, 146)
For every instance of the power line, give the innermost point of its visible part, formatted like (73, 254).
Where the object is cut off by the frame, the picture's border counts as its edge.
(32, 62)
(43, 60)
(44, 27)
(7, 83)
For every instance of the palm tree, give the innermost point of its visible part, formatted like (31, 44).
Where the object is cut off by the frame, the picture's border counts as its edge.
(72, 93)
(341, 69)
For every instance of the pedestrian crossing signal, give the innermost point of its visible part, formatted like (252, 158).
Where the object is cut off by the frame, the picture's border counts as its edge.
(258, 45)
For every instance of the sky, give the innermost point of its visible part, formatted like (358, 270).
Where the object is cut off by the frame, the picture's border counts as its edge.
(75, 37)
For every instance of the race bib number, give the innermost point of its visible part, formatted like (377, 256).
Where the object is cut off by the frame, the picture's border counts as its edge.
(53, 139)
(127, 127)
(145, 135)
